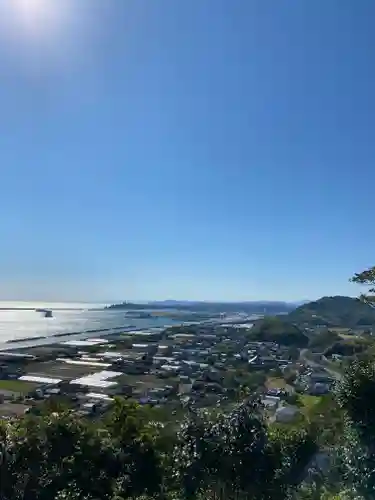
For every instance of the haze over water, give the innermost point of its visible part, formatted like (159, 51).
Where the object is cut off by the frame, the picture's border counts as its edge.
(67, 318)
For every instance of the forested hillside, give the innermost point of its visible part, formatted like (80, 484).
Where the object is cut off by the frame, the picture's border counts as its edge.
(278, 329)
(334, 311)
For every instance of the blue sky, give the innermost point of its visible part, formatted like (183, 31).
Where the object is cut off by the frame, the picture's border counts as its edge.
(185, 149)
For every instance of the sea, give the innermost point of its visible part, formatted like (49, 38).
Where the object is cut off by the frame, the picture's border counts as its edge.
(20, 321)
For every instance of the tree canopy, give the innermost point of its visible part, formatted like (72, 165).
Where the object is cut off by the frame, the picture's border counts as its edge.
(334, 311)
(279, 330)
(129, 455)
(366, 278)
(323, 340)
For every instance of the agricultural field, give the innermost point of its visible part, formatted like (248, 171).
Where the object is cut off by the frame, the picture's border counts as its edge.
(17, 386)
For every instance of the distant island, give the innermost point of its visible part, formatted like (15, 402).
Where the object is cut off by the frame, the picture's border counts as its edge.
(256, 307)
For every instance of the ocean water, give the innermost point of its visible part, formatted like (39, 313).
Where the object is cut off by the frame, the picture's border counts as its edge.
(18, 323)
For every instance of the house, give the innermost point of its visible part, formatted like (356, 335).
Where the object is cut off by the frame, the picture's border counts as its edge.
(319, 388)
(270, 403)
(275, 392)
(172, 369)
(144, 347)
(320, 377)
(286, 414)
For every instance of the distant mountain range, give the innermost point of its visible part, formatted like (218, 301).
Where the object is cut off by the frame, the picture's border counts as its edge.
(251, 307)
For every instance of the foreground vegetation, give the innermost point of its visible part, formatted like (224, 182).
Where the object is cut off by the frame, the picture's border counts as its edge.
(131, 453)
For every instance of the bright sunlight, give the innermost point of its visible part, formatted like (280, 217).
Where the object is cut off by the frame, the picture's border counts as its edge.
(39, 17)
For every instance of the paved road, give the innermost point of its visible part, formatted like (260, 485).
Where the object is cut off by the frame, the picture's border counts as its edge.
(314, 364)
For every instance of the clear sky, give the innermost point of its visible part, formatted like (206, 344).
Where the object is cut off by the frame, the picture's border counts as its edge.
(205, 149)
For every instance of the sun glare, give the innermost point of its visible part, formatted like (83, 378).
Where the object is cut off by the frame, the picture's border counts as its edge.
(38, 16)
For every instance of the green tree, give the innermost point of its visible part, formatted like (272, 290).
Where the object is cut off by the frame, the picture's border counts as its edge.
(323, 340)
(326, 418)
(366, 278)
(355, 395)
(63, 456)
(277, 329)
(47, 453)
(235, 456)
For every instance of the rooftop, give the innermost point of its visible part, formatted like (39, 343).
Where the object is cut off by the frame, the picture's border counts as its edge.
(85, 343)
(84, 363)
(100, 379)
(40, 380)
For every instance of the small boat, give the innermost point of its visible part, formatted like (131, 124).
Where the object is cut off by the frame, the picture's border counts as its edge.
(47, 313)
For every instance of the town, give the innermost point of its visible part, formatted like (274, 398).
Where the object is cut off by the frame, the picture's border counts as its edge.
(212, 364)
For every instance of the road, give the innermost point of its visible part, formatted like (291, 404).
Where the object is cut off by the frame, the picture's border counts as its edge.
(314, 364)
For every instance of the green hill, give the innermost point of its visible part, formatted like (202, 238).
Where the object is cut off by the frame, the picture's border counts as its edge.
(337, 311)
(276, 329)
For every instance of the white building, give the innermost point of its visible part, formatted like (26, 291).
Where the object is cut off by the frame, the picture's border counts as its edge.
(100, 382)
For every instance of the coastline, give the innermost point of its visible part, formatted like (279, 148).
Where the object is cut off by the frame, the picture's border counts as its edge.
(21, 327)
(105, 324)
(24, 343)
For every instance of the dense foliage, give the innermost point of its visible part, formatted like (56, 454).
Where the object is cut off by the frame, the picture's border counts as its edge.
(55, 454)
(277, 329)
(355, 395)
(128, 455)
(322, 340)
(235, 456)
(131, 453)
(366, 278)
(348, 347)
(335, 311)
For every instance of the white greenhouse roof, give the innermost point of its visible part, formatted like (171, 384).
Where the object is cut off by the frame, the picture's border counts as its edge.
(112, 354)
(40, 380)
(83, 363)
(100, 379)
(95, 395)
(85, 343)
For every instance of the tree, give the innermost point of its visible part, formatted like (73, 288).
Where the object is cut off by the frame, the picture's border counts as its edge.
(235, 456)
(355, 395)
(366, 278)
(323, 340)
(337, 311)
(47, 453)
(64, 456)
(141, 437)
(276, 329)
